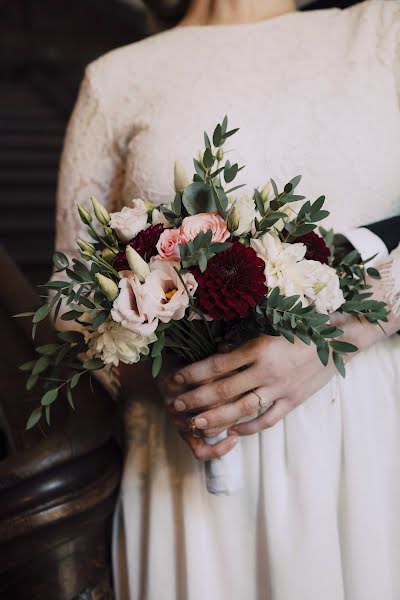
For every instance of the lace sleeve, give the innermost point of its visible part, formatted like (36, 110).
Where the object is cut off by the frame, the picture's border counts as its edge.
(390, 272)
(90, 166)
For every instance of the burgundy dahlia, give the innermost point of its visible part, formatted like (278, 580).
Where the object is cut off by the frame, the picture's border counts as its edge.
(144, 243)
(233, 283)
(316, 247)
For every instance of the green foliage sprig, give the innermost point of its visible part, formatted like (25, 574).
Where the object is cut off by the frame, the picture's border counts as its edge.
(288, 317)
(85, 291)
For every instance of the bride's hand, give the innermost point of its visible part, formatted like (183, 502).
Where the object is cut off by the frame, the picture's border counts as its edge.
(283, 375)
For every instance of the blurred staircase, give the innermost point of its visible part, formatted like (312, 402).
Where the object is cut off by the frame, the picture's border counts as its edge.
(30, 144)
(44, 47)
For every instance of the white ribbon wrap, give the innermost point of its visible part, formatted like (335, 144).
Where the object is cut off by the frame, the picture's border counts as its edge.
(224, 476)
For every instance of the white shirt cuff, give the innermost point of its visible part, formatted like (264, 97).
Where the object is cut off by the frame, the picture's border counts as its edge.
(367, 244)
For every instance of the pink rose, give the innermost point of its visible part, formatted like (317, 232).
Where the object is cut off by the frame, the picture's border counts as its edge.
(167, 245)
(191, 226)
(132, 309)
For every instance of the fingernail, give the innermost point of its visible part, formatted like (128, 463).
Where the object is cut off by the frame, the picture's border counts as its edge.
(200, 422)
(179, 405)
(232, 432)
(178, 378)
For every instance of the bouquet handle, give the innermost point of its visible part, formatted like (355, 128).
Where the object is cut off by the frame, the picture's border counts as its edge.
(224, 476)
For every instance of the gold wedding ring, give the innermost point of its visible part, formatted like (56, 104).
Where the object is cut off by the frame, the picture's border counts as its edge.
(194, 432)
(263, 402)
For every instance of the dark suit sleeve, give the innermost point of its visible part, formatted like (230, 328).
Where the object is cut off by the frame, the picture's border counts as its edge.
(388, 231)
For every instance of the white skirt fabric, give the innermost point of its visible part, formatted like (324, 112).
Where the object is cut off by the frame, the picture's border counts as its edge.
(318, 518)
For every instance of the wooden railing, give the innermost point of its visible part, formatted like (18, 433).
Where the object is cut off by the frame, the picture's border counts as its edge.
(58, 486)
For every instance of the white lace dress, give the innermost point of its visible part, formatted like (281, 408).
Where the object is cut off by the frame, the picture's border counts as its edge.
(314, 93)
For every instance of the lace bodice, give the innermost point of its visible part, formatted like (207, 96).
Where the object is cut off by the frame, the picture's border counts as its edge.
(315, 93)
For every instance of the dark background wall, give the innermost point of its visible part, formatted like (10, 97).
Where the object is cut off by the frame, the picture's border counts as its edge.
(44, 46)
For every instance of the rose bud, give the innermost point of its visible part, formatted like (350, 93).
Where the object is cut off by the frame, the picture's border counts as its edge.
(233, 219)
(107, 286)
(85, 216)
(101, 213)
(266, 191)
(108, 255)
(86, 247)
(181, 180)
(220, 154)
(138, 266)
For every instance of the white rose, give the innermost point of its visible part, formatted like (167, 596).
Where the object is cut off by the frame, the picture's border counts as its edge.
(325, 292)
(284, 266)
(241, 216)
(130, 220)
(113, 343)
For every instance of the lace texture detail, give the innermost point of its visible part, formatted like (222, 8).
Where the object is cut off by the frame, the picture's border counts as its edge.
(90, 166)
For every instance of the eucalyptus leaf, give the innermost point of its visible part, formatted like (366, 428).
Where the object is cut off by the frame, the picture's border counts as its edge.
(156, 366)
(34, 418)
(198, 198)
(374, 273)
(27, 366)
(32, 381)
(60, 261)
(48, 349)
(49, 397)
(343, 347)
(75, 379)
(41, 365)
(339, 364)
(93, 364)
(41, 313)
(69, 397)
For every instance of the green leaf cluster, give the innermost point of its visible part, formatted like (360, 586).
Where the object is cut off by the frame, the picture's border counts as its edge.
(58, 369)
(289, 318)
(199, 250)
(207, 192)
(352, 272)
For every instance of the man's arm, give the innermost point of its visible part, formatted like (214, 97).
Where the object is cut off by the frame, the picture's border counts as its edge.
(374, 239)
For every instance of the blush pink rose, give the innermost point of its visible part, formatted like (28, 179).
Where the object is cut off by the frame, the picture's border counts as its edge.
(132, 308)
(167, 245)
(191, 226)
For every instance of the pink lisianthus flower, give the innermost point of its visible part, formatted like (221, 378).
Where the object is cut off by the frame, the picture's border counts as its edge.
(131, 307)
(165, 292)
(193, 225)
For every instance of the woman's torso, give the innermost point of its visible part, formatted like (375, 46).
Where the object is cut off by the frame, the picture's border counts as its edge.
(313, 94)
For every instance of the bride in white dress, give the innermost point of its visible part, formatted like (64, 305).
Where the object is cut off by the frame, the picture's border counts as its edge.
(315, 93)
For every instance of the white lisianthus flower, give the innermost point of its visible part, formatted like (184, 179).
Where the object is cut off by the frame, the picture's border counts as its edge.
(326, 294)
(241, 216)
(284, 266)
(113, 343)
(130, 220)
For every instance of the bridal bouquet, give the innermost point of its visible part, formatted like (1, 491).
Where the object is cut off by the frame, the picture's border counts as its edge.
(183, 278)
